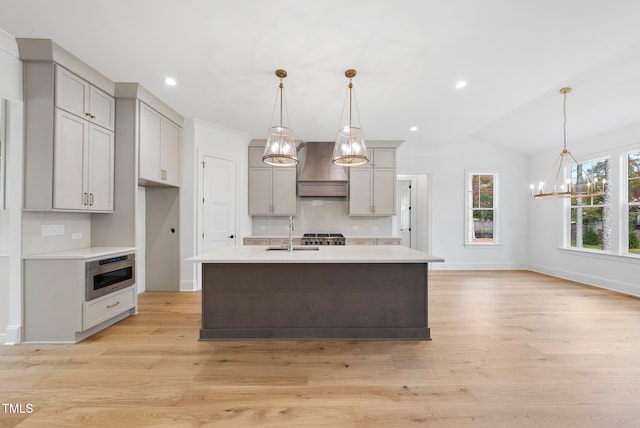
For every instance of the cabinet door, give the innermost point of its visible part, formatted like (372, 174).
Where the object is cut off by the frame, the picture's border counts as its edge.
(384, 158)
(100, 167)
(102, 108)
(71, 93)
(255, 157)
(384, 191)
(150, 142)
(260, 191)
(170, 155)
(71, 134)
(360, 192)
(283, 190)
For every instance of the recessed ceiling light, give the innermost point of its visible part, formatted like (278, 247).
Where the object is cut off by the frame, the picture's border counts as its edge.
(413, 129)
(170, 81)
(460, 84)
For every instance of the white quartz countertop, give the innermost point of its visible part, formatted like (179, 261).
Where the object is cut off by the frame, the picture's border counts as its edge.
(82, 253)
(324, 254)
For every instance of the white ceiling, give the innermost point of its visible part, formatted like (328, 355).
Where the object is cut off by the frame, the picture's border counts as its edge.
(514, 54)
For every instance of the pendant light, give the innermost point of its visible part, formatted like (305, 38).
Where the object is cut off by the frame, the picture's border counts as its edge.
(280, 148)
(350, 149)
(585, 186)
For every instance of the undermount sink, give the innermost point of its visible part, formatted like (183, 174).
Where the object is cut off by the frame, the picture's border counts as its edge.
(295, 248)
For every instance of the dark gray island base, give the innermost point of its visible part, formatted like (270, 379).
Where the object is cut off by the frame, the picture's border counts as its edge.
(269, 301)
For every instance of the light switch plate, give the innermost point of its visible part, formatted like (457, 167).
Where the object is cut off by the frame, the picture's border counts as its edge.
(76, 235)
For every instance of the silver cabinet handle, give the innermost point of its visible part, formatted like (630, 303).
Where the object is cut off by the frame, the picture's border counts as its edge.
(114, 305)
(85, 199)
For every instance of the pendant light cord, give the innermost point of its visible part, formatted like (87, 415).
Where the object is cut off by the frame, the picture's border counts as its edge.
(564, 124)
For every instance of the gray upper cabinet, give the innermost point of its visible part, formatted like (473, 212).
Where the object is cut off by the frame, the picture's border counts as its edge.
(159, 148)
(372, 187)
(83, 165)
(69, 147)
(272, 190)
(79, 97)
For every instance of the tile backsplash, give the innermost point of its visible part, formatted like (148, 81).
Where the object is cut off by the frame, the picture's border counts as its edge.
(324, 215)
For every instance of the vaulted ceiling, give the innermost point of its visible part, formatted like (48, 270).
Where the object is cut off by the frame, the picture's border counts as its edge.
(514, 55)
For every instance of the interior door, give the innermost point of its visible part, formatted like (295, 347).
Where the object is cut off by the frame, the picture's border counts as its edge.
(404, 219)
(219, 203)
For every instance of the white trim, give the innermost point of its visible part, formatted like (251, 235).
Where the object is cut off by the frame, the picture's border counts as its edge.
(8, 44)
(591, 280)
(199, 194)
(189, 285)
(468, 207)
(479, 266)
(602, 255)
(13, 335)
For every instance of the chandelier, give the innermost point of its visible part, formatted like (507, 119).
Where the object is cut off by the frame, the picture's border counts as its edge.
(350, 148)
(280, 148)
(584, 185)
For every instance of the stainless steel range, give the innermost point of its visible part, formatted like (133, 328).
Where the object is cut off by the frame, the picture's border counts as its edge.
(323, 239)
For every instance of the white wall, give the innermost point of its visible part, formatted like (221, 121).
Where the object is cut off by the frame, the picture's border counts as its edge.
(447, 171)
(203, 138)
(546, 221)
(10, 218)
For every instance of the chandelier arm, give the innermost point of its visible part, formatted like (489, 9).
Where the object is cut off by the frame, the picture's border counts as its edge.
(558, 162)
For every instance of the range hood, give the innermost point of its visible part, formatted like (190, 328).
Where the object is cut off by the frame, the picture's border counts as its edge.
(319, 176)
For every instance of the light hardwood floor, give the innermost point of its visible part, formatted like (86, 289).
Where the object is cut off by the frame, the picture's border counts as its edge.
(509, 349)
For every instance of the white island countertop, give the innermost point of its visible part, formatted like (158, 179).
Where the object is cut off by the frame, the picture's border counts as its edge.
(324, 254)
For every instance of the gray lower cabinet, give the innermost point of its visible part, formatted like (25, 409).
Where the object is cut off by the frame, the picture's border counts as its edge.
(55, 308)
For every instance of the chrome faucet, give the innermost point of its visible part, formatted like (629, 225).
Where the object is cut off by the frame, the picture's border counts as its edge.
(292, 226)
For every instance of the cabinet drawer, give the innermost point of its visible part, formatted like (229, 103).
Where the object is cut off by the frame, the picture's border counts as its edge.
(103, 308)
(284, 241)
(256, 241)
(388, 241)
(361, 241)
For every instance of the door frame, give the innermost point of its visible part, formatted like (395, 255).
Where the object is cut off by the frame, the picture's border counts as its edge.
(421, 227)
(198, 200)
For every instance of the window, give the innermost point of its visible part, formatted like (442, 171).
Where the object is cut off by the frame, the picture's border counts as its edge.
(481, 207)
(633, 201)
(591, 216)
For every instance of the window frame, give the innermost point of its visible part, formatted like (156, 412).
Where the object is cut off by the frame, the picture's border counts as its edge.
(469, 209)
(626, 204)
(570, 207)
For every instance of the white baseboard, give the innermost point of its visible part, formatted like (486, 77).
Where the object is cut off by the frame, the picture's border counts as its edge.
(13, 335)
(188, 285)
(595, 281)
(478, 266)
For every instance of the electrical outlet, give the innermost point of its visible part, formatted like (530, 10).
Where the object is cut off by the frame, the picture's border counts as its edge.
(52, 229)
(76, 235)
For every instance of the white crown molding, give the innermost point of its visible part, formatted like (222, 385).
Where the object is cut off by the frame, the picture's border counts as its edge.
(8, 44)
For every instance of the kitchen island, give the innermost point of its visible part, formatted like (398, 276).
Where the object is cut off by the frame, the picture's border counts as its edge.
(330, 292)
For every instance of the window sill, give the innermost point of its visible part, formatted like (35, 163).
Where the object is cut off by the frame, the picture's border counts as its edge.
(626, 258)
(482, 245)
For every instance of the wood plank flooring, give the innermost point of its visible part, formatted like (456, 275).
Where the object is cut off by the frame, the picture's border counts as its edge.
(509, 349)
